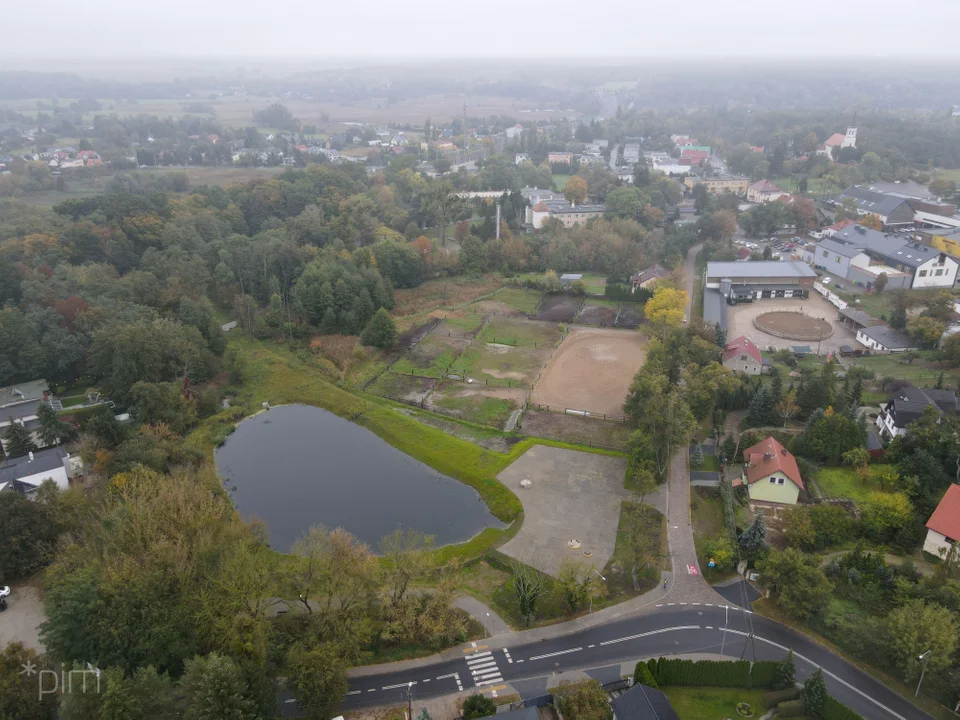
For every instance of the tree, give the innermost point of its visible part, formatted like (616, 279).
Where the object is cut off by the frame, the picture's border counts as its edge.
(29, 535)
(697, 458)
(785, 674)
(667, 307)
(727, 222)
(578, 583)
(662, 418)
(898, 317)
(761, 408)
(886, 514)
(753, 540)
(796, 581)
(478, 706)
(156, 403)
(381, 331)
(214, 689)
(721, 335)
(441, 200)
(925, 330)
(814, 694)
(317, 677)
(53, 430)
(943, 187)
(19, 440)
(408, 552)
(584, 700)
(915, 628)
(528, 584)
(871, 221)
(701, 200)
(575, 190)
(881, 282)
(18, 690)
(787, 408)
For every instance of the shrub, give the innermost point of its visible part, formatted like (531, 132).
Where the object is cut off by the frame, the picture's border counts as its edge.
(772, 699)
(791, 708)
(381, 331)
(786, 674)
(583, 700)
(763, 674)
(836, 710)
(478, 706)
(814, 694)
(643, 676)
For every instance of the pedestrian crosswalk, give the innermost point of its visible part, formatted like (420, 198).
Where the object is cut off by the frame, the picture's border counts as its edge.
(483, 668)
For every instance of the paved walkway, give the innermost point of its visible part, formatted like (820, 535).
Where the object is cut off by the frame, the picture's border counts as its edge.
(492, 623)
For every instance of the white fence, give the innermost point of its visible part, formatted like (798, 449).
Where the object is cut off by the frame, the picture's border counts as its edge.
(832, 297)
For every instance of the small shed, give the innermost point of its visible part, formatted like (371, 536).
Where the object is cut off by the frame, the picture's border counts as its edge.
(568, 278)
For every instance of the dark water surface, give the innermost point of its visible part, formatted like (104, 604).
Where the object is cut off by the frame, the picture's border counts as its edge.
(296, 466)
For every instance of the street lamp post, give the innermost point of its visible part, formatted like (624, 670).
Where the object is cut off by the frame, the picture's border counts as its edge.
(591, 595)
(486, 632)
(410, 700)
(922, 658)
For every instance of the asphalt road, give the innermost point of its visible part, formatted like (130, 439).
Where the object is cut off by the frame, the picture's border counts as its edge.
(666, 630)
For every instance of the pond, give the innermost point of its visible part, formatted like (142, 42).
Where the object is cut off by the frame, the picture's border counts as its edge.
(296, 466)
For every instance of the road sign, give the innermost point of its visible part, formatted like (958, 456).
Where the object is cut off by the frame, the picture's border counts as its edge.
(692, 570)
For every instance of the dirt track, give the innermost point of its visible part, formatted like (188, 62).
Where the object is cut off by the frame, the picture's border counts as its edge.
(592, 371)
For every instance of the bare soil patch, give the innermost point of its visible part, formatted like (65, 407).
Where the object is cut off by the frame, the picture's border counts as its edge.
(795, 325)
(596, 314)
(631, 316)
(591, 371)
(559, 308)
(575, 429)
(408, 388)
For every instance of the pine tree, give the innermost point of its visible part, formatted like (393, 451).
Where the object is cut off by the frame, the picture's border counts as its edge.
(721, 335)
(381, 331)
(785, 674)
(729, 448)
(697, 458)
(898, 318)
(856, 393)
(761, 408)
(18, 440)
(939, 385)
(814, 695)
(754, 537)
(776, 386)
(52, 429)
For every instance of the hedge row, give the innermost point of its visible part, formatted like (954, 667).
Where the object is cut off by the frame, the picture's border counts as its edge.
(772, 699)
(624, 293)
(763, 674)
(791, 708)
(836, 710)
(643, 676)
(706, 673)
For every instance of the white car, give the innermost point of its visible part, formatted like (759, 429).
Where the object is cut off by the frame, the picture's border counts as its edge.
(825, 281)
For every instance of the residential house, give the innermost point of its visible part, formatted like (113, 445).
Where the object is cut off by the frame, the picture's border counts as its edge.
(571, 215)
(763, 191)
(560, 158)
(694, 154)
(885, 339)
(770, 473)
(927, 266)
(744, 254)
(647, 278)
(513, 132)
(631, 153)
(521, 158)
(25, 474)
(891, 210)
(21, 404)
(943, 527)
(719, 184)
(642, 702)
(741, 355)
(908, 404)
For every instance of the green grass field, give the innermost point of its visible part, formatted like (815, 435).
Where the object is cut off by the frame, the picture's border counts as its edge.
(618, 570)
(595, 283)
(522, 332)
(560, 182)
(467, 323)
(475, 408)
(520, 299)
(694, 703)
(430, 358)
(706, 508)
(842, 482)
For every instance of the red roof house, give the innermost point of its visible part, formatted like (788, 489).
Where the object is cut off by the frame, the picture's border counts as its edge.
(771, 473)
(741, 355)
(744, 254)
(943, 527)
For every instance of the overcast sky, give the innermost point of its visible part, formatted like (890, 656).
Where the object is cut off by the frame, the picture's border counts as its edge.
(412, 29)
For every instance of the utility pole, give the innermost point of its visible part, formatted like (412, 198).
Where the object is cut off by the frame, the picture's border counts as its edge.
(498, 221)
(410, 701)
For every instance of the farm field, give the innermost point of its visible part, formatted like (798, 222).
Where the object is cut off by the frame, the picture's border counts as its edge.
(477, 404)
(592, 371)
(508, 352)
(431, 356)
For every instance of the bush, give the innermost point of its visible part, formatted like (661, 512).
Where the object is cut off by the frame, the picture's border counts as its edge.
(643, 676)
(584, 700)
(791, 708)
(381, 332)
(703, 673)
(836, 710)
(478, 706)
(772, 699)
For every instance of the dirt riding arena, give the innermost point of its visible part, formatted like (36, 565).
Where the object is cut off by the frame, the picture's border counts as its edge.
(740, 322)
(793, 325)
(591, 371)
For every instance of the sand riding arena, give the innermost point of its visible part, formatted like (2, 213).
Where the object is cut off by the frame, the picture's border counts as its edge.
(793, 325)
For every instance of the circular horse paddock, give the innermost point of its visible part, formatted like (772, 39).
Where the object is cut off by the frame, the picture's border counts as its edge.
(793, 325)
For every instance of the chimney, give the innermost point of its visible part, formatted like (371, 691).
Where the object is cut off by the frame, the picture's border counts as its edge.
(768, 456)
(31, 456)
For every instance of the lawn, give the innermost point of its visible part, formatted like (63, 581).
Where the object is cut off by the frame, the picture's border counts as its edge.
(595, 283)
(509, 331)
(467, 323)
(431, 357)
(922, 372)
(710, 464)
(842, 482)
(707, 510)
(520, 299)
(695, 703)
(560, 182)
(477, 408)
(618, 569)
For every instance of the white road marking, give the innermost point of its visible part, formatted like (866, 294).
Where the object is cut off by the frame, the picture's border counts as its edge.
(519, 661)
(559, 652)
(372, 690)
(652, 632)
(394, 687)
(444, 677)
(659, 604)
(489, 682)
(825, 672)
(709, 627)
(590, 646)
(292, 700)
(352, 692)
(426, 679)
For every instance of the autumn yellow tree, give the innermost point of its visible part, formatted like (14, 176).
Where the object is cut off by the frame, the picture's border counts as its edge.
(871, 221)
(667, 307)
(576, 190)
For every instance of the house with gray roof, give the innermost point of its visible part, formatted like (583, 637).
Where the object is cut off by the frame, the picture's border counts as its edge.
(759, 279)
(25, 474)
(893, 211)
(909, 404)
(927, 266)
(885, 339)
(642, 702)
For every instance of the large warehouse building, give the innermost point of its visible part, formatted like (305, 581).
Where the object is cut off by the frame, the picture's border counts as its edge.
(745, 281)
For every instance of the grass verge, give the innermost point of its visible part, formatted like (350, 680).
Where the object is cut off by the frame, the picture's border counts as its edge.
(704, 703)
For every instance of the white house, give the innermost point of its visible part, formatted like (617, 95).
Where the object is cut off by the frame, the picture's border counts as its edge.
(21, 404)
(741, 355)
(521, 158)
(909, 404)
(943, 527)
(763, 191)
(25, 474)
(884, 339)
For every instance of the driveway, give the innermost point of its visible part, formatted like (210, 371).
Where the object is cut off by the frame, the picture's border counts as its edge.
(22, 619)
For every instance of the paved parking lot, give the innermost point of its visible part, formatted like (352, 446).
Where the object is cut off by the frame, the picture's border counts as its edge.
(22, 618)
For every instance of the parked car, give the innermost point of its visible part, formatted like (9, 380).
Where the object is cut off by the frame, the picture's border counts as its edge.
(825, 281)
